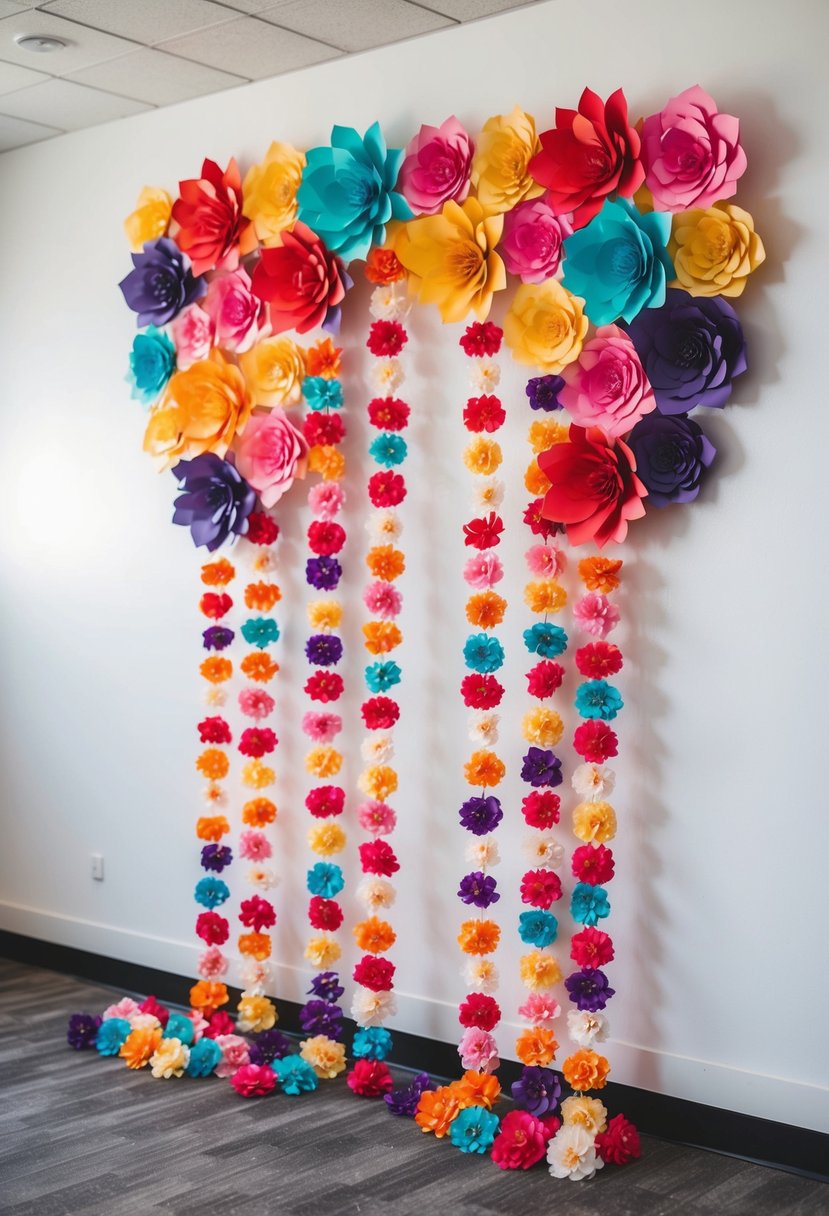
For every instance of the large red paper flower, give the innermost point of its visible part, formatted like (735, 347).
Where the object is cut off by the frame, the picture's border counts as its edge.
(325, 801)
(257, 913)
(324, 914)
(301, 280)
(594, 489)
(591, 153)
(214, 730)
(595, 741)
(211, 228)
(484, 533)
(388, 413)
(481, 692)
(262, 530)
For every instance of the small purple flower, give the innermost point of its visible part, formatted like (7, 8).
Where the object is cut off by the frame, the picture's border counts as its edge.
(217, 637)
(538, 1091)
(480, 815)
(320, 1017)
(327, 986)
(543, 392)
(479, 889)
(324, 650)
(324, 573)
(216, 500)
(404, 1102)
(589, 990)
(541, 768)
(672, 455)
(82, 1031)
(270, 1045)
(216, 857)
(161, 282)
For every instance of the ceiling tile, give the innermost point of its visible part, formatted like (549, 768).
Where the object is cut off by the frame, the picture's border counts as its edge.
(71, 105)
(252, 48)
(12, 77)
(9, 7)
(84, 46)
(249, 6)
(468, 10)
(147, 21)
(355, 25)
(16, 132)
(150, 75)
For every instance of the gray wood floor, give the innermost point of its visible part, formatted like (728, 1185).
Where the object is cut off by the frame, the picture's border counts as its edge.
(83, 1135)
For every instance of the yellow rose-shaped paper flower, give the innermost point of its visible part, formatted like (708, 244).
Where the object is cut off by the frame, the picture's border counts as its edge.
(500, 170)
(594, 821)
(535, 480)
(326, 1057)
(257, 775)
(714, 250)
(589, 1113)
(545, 595)
(256, 1013)
(274, 369)
(542, 726)
(378, 782)
(326, 839)
(150, 219)
(545, 326)
(169, 1059)
(203, 410)
(452, 260)
(324, 615)
(322, 952)
(544, 433)
(483, 456)
(269, 191)
(539, 971)
(327, 460)
(323, 761)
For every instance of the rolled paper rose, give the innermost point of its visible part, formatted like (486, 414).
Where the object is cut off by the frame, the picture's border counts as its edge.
(607, 386)
(238, 317)
(302, 281)
(216, 500)
(211, 226)
(595, 491)
(715, 250)
(161, 283)
(672, 454)
(192, 333)
(436, 167)
(532, 242)
(691, 152)
(271, 454)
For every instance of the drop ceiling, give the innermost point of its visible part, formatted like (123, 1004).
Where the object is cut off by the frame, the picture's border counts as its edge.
(125, 56)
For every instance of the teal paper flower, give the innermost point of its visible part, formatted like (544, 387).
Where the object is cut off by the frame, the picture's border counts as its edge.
(474, 1130)
(589, 905)
(388, 450)
(482, 653)
(111, 1034)
(152, 363)
(372, 1043)
(295, 1075)
(210, 891)
(322, 394)
(179, 1027)
(598, 699)
(204, 1056)
(260, 631)
(325, 879)
(547, 640)
(347, 193)
(618, 262)
(537, 928)
(380, 677)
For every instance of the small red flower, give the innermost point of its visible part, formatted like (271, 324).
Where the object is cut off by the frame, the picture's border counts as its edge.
(386, 489)
(325, 801)
(219, 1023)
(540, 888)
(214, 730)
(551, 1125)
(212, 928)
(215, 606)
(593, 864)
(380, 713)
(544, 679)
(541, 809)
(481, 692)
(388, 413)
(619, 1144)
(325, 430)
(481, 1011)
(538, 525)
(481, 338)
(595, 741)
(370, 1079)
(324, 914)
(253, 1080)
(262, 530)
(591, 948)
(374, 973)
(377, 857)
(257, 913)
(324, 686)
(386, 339)
(598, 660)
(484, 414)
(151, 1005)
(325, 538)
(484, 533)
(257, 741)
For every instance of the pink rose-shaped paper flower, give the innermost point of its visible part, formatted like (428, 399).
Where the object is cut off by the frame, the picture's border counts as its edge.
(326, 499)
(547, 561)
(193, 335)
(322, 727)
(691, 153)
(235, 1054)
(238, 317)
(531, 244)
(253, 1080)
(483, 571)
(256, 703)
(376, 818)
(478, 1050)
(254, 846)
(607, 385)
(383, 600)
(436, 167)
(270, 454)
(595, 614)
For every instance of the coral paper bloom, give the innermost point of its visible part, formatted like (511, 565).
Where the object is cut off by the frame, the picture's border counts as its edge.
(500, 170)
(302, 281)
(436, 169)
(545, 326)
(237, 316)
(453, 258)
(607, 386)
(714, 251)
(211, 227)
(150, 219)
(594, 488)
(270, 454)
(691, 153)
(270, 191)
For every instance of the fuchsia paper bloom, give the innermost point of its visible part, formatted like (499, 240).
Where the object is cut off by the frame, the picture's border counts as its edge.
(386, 339)
(212, 928)
(214, 730)
(481, 339)
(192, 333)
(325, 538)
(595, 741)
(253, 1080)
(540, 888)
(219, 1023)
(376, 817)
(521, 1141)
(386, 489)
(370, 1079)
(325, 801)
(691, 153)
(595, 614)
(257, 913)
(254, 846)
(152, 1006)
(326, 499)
(256, 703)
(607, 386)
(591, 948)
(374, 973)
(380, 713)
(383, 600)
(593, 864)
(597, 660)
(324, 686)
(436, 167)
(324, 914)
(322, 727)
(544, 679)
(480, 1011)
(619, 1143)
(377, 857)
(478, 1050)
(238, 317)
(257, 741)
(541, 809)
(270, 454)
(532, 242)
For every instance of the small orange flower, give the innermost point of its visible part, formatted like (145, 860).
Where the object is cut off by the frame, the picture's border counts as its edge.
(323, 762)
(324, 615)
(326, 460)
(323, 359)
(218, 573)
(436, 1110)
(484, 770)
(261, 597)
(586, 1070)
(258, 812)
(600, 573)
(486, 610)
(385, 562)
(539, 971)
(536, 480)
(544, 434)
(216, 669)
(479, 936)
(477, 1089)
(379, 782)
(381, 637)
(374, 936)
(536, 1047)
(483, 456)
(545, 595)
(208, 995)
(257, 945)
(212, 828)
(259, 667)
(382, 267)
(213, 764)
(139, 1045)
(257, 776)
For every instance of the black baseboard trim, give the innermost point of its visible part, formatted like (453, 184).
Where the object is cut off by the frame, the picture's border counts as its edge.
(762, 1141)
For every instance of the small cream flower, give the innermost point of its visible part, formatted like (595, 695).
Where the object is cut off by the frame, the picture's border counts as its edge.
(214, 795)
(483, 853)
(257, 976)
(572, 1153)
(372, 1008)
(485, 375)
(481, 975)
(384, 526)
(593, 781)
(215, 696)
(483, 728)
(386, 376)
(543, 850)
(261, 877)
(389, 302)
(487, 494)
(263, 562)
(586, 1028)
(376, 893)
(377, 749)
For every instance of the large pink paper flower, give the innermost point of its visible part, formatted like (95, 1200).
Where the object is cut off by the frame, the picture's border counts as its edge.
(437, 167)
(691, 153)
(531, 245)
(238, 317)
(193, 336)
(607, 385)
(270, 454)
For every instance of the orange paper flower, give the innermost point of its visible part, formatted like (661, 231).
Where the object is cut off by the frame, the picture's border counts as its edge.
(205, 407)
(259, 667)
(261, 597)
(379, 782)
(213, 764)
(539, 971)
(150, 219)
(586, 1070)
(385, 562)
(324, 359)
(600, 573)
(381, 637)
(374, 936)
(536, 480)
(486, 610)
(383, 267)
(216, 669)
(483, 456)
(479, 936)
(484, 770)
(218, 573)
(323, 762)
(256, 945)
(544, 595)
(258, 812)
(536, 1046)
(208, 995)
(477, 1089)
(544, 433)
(139, 1045)
(212, 828)
(326, 460)
(436, 1110)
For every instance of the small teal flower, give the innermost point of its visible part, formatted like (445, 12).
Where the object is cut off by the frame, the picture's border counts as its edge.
(482, 653)
(347, 193)
(537, 928)
(474, 1129)
(380, 677)
(325, 879)
(260, 631)
(547, 640)
(388, 450)
(618, 262)
(152, 363)
(322, 394)
(210, 891)
(204, 1056)
(179, 1027)
(588, 905)
(373, 1043)
(111, 1034)
(598, 699)
(295, 1075)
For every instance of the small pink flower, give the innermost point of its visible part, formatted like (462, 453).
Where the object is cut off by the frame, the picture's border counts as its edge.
(238, 317)
(546, 561)
(383, 600)
(212, 963)
(595, 614)
(253, 1080)
(254, 846)
(256, 703)
(532, 242)
(326, 499)
(322, 727)
(376, 818)
(540, 1009)
(478, 1050)
(436, 167)
(235, 1054)
(483, 570)
(200, 1023)
(691, 153)
(193, 335)
(122, 1009)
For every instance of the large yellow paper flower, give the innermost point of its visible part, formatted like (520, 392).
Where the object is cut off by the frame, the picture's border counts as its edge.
(169, 1059)
(539, 971)
(274, 369)
(714, 250)
(452, 260)
(500, 170)
(545, 326)
(150, 219)
(203, 410)
(269, 191)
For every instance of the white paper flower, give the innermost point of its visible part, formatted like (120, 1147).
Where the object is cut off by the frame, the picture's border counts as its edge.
(592, 781)
(376, 893)
(377, 748)
(483, 727)
(257, 976)
(263, 561)
(487, 493)
(384, 526)
(586, 1028)
(372, 1008)
(481, 975)
(485, 375)
(389, 302)
(483, 852)
(386, 376)
(214, 696)
(143, 1021)
(572, 1154)
(543, 850)
(214, 795)
(261, 877)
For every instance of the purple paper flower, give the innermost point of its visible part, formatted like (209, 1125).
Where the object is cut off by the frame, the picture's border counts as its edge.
(82, 1031)
(216, 501)
(216, 857)
(481, 815)
(270, 1045)
(404, 1102)
(538, 1091)
(320, 1017)
(161, 283)
(327, 986)
(543, 392)
(324, 573)
(672, 454)
(217, 637)
(541, 767)
(478, 889)
(589, 990)
(324, 649)
(691, 348)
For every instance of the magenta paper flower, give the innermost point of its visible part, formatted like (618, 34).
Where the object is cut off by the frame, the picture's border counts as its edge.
(238, 317)
(691, 153)
(437, 167)
(607, 385)
(531, 245)
(270, 454)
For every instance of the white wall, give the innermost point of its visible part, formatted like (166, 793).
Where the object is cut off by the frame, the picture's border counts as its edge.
(719, 902)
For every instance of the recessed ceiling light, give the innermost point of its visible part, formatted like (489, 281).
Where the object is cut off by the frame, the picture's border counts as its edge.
(40, 44)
